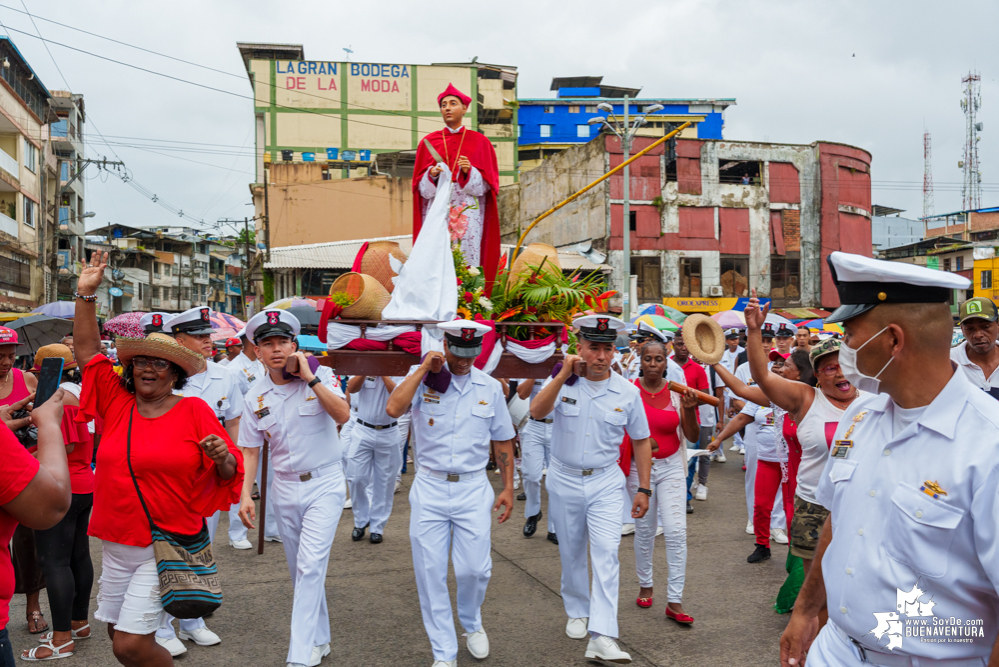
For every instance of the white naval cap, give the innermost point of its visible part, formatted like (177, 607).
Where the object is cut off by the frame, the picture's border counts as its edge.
(154, 322)
(272, 322)
(864, 283)
(464, 337)
(731, 333)
(599, 328)
(196, 321)
(646, 330)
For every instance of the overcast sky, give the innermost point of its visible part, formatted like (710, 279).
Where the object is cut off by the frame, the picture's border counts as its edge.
(871, 74)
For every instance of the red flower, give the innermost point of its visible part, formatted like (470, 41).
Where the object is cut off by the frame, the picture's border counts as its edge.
(459, 282)
(468, 297)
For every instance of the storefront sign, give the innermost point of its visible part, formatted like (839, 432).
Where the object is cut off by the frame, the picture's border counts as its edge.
(709, 306)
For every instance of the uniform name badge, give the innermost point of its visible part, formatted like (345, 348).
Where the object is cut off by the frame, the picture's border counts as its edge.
(841, 449)
(570, 401)
(262, 412)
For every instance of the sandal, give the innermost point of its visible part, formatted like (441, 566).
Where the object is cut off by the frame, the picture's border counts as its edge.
(35, 618)
(47, 637)
(57, 652)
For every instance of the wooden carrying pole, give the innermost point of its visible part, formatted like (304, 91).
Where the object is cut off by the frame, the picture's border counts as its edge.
(701, 396)
(610, 173)
(262, 514)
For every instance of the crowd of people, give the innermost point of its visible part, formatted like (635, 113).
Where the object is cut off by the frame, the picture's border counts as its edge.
(874, 457)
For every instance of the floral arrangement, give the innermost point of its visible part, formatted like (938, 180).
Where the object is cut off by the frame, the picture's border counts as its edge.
(472, 300)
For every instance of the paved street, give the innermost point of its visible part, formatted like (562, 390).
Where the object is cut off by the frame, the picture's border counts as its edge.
(375, 614)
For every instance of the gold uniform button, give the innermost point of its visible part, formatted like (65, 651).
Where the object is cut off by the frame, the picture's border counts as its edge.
(882, 296)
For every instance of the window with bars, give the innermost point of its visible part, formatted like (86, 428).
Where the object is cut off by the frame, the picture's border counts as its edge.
(15, 272)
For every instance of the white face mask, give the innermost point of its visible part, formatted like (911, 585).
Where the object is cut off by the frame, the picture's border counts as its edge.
(848, 364)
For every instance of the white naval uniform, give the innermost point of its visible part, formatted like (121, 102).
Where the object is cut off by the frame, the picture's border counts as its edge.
(535, 451)
(374, 455)
(777, 517)
(889, 536)
(452, 499)
(220, 390)
(308, 492)
(585, 491)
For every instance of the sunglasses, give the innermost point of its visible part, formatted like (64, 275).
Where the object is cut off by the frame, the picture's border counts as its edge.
(139, 363)
(829, 370)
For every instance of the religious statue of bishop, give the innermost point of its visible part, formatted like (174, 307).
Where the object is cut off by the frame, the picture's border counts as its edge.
(471, 159)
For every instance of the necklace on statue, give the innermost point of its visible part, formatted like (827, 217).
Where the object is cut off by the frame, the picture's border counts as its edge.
(447, 158)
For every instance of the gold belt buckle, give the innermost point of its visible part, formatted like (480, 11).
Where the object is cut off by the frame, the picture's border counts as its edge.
(587, 472)
(305, 477)
(452, 477)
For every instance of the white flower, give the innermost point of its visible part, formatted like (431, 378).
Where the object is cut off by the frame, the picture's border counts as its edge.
(472, 271)
(485, 303)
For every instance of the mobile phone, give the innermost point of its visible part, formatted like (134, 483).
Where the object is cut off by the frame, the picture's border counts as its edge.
(48, 379)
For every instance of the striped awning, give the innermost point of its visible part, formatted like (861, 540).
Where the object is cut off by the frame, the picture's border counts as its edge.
(802, 313)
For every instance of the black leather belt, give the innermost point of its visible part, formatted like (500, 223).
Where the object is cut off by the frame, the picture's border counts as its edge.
(543, 421)
(375, 426)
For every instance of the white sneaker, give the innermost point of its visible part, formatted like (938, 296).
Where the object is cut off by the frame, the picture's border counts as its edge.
(172, 644)
(348, 504)
(605, 648)
(576, 628)
(516, 482)
(749, 528)
(272, 538)
(778, 535)
(240, 544)
(200, 636)
(627, 529)
(659, 531)
(478, 644)
(398, 485)
(701, 493)
(445, 663)
(734, 447)
(544, 471)
(318, 653)
(742, 450)
(721, 456)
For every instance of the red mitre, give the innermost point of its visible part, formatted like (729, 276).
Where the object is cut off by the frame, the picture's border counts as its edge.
(452, 91)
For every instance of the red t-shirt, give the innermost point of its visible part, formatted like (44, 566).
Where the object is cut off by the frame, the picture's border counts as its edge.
(663, 422)
(18, 469)
(178, 480)
(81, 475)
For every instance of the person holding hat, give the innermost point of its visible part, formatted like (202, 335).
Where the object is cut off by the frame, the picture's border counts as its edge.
(185, 465)
(978, 355)
(469, 160)
(457, 414)
(911, 485)
(592, 414)
(298, 413)
(233, 347)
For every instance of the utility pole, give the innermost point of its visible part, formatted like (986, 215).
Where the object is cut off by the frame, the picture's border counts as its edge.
(246, 263)
(267, 241)
(626, 227)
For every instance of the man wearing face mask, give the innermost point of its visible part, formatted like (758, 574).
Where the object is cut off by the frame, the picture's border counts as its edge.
(908, 561)
(978, 354)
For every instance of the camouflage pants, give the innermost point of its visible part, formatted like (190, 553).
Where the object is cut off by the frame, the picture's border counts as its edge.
(806, 527)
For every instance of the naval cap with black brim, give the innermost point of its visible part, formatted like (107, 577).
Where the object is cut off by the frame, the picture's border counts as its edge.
(196, 321)
(272, 322)
(863, 283)
(599, 328)
(649, 331)
(464, 337)
(154, 322)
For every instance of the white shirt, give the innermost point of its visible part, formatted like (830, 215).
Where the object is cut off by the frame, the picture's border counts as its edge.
(224, 362)
(453, 430)
(248, 372)
(217, 387)
(368, 403)
(729, 359)
(766, 443)
(674, 372)
(888, 534)
(301, 433)
(588, 429)
(973, 371)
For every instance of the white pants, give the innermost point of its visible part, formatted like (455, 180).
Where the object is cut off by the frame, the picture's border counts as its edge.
(668, 503)
(587, 510)
(308, 514)
(374, 462)
(535, 450)
(451, 517)
(777, 517)
(404, 422)
(129, 594)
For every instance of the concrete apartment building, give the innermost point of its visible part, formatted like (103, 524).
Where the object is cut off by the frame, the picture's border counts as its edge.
(975, 225)
(66, 146)
(723, 218)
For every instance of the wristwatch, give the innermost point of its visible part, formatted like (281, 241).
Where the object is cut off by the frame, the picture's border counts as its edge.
(647, 492)
(314, 382)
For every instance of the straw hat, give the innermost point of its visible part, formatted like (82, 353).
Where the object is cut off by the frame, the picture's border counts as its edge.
(704, 338)
(54, 350)
(160, 346)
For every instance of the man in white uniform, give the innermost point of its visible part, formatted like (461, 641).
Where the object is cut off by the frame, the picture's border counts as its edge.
(233, 346)
(375, 455)
(908, 561)
(216, 387)
(584, 480)
(298, 414)
(150, 323)
(978, 354)
(730, 361)
(456, 414)
(535, 450)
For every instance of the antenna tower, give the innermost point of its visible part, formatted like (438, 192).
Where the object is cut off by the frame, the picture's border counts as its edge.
(927, 176)
(971, 189)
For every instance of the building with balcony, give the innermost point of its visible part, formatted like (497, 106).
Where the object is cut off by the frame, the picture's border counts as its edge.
(66, 146)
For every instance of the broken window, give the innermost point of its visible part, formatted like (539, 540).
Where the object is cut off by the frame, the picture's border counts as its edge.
(649, 272)
(633, 220)
(785, 280)
(690, 276)
(737, 172)
(735, 275)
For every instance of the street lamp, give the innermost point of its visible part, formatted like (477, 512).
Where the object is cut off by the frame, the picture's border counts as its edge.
(626, 134)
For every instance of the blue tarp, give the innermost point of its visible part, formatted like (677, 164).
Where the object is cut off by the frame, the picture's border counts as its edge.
(311, 343)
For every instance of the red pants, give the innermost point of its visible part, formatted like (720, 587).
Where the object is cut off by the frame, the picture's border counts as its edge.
(767, 482)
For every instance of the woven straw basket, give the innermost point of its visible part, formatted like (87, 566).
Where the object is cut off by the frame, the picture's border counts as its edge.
(533, 255)
(370, 297)
(375, 262)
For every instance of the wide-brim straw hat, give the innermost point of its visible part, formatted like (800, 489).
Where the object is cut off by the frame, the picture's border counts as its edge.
(704, 338)
(54, 350)
(159, 346)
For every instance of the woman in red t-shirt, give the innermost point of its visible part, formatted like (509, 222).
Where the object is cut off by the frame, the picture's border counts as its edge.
(184, 463)
(672, 418)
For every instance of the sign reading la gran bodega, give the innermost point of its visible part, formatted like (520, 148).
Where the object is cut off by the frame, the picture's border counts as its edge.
(374, 85)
